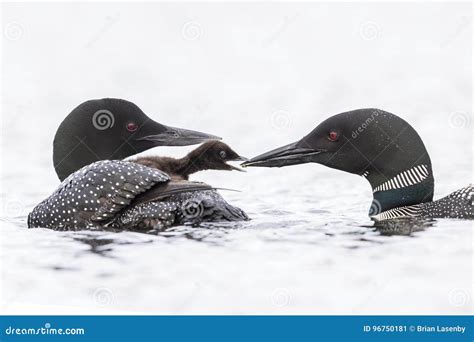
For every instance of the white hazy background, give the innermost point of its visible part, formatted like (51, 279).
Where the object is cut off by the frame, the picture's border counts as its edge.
(260, 75)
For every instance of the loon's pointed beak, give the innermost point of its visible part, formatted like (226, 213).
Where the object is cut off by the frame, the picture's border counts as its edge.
(236, 168)
(173, 136)
(291, 154)
(240, 158)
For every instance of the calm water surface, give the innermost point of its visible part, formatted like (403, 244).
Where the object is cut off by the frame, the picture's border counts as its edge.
(309, 248)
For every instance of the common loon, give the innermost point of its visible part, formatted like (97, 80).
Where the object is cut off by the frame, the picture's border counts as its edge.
(99, 190)
(111, 129)
(211, 155)
(384, 149)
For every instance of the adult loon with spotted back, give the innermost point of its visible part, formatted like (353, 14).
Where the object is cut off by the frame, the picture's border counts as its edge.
(100, 190)
(384, 149)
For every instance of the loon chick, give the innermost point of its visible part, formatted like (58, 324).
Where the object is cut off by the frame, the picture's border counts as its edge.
(211, 155)
(384, 149)
(98, 193)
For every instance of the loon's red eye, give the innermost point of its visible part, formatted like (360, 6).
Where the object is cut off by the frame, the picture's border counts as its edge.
(333, 136)
(132, 127)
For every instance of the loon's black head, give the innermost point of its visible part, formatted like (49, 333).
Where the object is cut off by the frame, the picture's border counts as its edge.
(369, 142)
(112, 129)
(214, 155)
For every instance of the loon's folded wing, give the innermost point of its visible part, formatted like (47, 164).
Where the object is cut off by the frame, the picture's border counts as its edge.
(464, 194)
(458, 204)
(165, 190)
(95, 193)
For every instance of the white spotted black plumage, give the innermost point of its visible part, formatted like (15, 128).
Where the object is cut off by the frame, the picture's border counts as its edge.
(102, 194)
(186, 207)
(458, 204)
(94, 194)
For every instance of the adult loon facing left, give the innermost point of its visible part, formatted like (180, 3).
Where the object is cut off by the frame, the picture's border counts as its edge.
(99, 190)
(384, 149)
(111, 129)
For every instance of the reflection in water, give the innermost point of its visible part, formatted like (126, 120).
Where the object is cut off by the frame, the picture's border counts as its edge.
(212, 233)
(219, 233)
(403, 226)
(103, 245)
(97, 245)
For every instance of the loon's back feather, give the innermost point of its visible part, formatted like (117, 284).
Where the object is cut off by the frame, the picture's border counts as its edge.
(94, 194)
(186, 207)
(107, 193)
